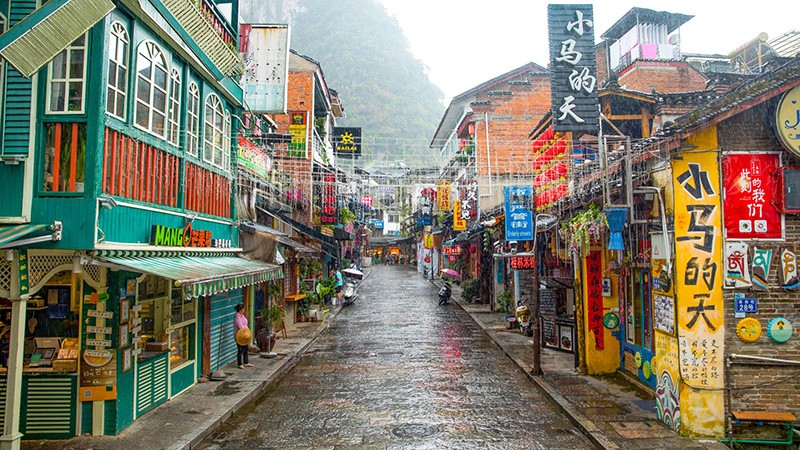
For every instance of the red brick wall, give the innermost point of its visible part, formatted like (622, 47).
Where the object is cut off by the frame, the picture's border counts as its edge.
(663, 76)
(763, 387)
(511, 119)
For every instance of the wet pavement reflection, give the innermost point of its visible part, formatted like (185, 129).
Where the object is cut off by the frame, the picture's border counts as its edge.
(395, 370)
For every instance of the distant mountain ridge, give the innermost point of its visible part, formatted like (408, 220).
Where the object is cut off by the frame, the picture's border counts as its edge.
(366, 58)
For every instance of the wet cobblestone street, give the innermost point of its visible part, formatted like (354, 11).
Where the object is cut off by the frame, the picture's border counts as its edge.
(397, 371)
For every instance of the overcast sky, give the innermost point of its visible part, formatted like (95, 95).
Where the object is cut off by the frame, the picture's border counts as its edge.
(466, 42)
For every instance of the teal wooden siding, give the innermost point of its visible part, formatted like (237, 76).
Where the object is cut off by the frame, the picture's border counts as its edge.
(13, 182)
(49, 406)
(133, 225)
(17, 114)
(109, 417)
(182, 379)
(76, 215)
(223, 346)
(151, 383)
(124, 406)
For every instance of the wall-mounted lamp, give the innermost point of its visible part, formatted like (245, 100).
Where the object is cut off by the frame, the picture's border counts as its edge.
(189, 218)
(107, 202)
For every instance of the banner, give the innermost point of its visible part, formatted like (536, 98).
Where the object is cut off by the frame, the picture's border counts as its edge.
(594, 298)
(573, 72)
(330, 213)
(698, 269)
(443, 195)
(459, 224)
(751, 196)
(266, 67)
(469, 201)
(518, 215)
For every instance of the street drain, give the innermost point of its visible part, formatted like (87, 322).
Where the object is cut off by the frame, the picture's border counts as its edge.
(415, 430)
(192, 411)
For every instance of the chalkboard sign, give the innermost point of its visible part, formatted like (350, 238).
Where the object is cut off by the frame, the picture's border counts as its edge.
(548, 299)
(549, 332)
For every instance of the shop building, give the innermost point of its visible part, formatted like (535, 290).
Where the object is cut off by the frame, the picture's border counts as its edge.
(128, 175)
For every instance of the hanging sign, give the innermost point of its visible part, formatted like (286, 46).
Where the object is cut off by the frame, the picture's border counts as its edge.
(518, 215)
(469, 201)
(366, 200)
(425, 211)
(762, 260)
(298, 128)
(266, 67)
(459, 224)
(347, 142)
(523, 262)
(451, 250)
(737, 274)
(594, 280)
(427, 241)
(573, 68)
(751, 196)
(443, 195)
(329, 214)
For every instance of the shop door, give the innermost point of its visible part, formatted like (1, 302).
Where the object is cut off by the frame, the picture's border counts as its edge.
(641, 333)
(223, 346)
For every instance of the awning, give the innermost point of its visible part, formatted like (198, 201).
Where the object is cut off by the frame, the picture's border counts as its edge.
(199, 274)
(39, 37)
(10, 235)
(296, 245)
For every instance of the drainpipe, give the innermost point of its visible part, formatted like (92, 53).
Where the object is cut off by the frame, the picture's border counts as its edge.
(488, 153)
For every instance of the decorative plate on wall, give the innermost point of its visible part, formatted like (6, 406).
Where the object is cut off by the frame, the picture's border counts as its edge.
(748, 329)
(780, 329)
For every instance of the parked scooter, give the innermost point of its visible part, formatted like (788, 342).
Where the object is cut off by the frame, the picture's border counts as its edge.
(349, 292)
(445, 292)
(523, 317)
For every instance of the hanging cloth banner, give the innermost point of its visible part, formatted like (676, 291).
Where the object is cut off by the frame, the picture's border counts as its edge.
(762, 260)
(737, 273)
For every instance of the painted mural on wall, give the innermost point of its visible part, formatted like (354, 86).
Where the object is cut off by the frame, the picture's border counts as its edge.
(762, 260)
(737, 268)
(668, 405)
(698, 288)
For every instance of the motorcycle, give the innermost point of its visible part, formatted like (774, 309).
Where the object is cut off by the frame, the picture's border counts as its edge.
(523, 317)
(444, 293)
(349, 293)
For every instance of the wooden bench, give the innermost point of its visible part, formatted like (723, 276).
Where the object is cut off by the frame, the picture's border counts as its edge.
(760, 418)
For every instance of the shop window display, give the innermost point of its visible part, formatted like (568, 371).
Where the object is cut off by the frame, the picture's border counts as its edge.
(168, 320)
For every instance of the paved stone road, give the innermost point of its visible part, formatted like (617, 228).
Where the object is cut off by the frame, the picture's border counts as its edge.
(397, 371)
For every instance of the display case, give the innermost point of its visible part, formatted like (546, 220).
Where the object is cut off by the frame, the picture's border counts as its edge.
(180, 346)
(153, 297)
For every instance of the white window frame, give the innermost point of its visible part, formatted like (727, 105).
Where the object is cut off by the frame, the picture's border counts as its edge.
(214, 135)
(67, 52)
(118, 35)
(226, 142)
(152, 52)
(193, 120)
(174, 117)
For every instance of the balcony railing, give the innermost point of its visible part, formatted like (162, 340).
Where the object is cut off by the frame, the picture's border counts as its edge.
(214, 17)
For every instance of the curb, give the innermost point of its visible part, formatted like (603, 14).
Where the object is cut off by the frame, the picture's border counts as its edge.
(586, 426)
(256, 393)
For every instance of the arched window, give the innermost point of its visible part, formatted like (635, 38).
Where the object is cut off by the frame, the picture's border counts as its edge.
(214, 131)
(117, 89)
(151, 89)
(174, 106)
(193, 120)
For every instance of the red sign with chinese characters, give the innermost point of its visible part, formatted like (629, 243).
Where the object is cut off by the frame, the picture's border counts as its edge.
(523, 262)
(451, 250)
(594, 281)
(329, 213)
(751, 195)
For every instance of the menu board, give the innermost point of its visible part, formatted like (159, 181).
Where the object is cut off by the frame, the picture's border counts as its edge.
(548, 298)
(549, 332)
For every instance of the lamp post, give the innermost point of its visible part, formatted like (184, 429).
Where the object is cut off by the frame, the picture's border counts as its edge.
(535, 319)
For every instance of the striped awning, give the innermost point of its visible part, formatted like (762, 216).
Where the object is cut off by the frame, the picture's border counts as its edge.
(199, 274)
(39, 37)
(9, 234)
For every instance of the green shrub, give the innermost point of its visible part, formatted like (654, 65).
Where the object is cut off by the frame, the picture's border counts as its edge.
(469, 290)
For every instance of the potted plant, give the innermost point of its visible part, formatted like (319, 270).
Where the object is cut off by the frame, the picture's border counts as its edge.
(273, 316)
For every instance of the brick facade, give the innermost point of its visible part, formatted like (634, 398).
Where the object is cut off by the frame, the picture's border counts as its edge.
(770, 386)
(662, 77)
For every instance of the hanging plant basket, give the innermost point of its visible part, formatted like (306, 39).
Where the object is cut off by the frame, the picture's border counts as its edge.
(584, 229)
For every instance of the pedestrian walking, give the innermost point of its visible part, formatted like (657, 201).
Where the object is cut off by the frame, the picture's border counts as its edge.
(337, 275)
(243, 338)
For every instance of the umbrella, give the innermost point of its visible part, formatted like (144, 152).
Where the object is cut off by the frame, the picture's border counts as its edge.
(451, 272)
(354, 272)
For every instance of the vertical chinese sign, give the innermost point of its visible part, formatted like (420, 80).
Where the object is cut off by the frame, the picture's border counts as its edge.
(459, 224)
(298, 128)
(573, 71)
(469, 201)
(443, 195)
(329, 214)
(750, 196)
(518, 215)
(698, 285)
(594, 297)
(425, 210)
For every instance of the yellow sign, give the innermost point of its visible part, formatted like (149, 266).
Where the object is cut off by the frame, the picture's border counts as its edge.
(459, 224)
(698, 263)
(298, 128)
(443, 195)
(788, 120)
(427, 241)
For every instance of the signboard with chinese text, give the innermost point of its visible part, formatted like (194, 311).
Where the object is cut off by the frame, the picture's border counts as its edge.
(518, 215)
(788, 119)
(329, 214)
(346, 142)
(573, 72)
(253, 159)
(594, 297)
(266, 67)
(425, 207)
(751, 196)
(469, 201)
(459, 224)
(699, 271)
(298, 128)
(366, 200)
(522, 262)
(443, 195)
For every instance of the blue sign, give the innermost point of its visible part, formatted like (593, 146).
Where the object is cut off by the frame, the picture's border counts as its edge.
(519, 218)
(745, 305)
(378, 224)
